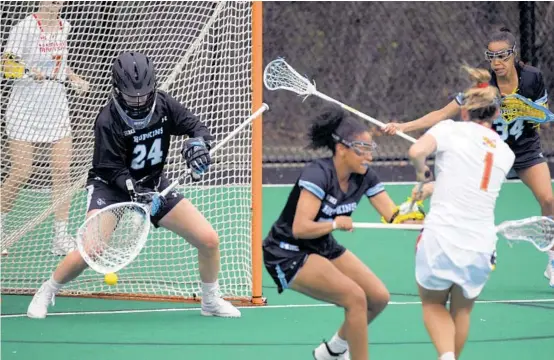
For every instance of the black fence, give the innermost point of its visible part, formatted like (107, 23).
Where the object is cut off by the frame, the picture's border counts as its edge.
(390, 60)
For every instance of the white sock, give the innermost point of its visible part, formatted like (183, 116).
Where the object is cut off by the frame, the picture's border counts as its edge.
(54, 284)
(60, 229)
(337, 345)
(447, 356)
(551, 255)
(209, 289)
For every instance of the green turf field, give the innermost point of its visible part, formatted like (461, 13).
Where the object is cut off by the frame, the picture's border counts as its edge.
(513, 320)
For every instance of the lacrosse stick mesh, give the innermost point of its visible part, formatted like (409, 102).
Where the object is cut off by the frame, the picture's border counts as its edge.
(280, 75)
(114, 236)
(538, 230)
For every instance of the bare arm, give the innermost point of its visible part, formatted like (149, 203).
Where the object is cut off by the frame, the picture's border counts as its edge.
(71, 74)
(426, 191)
(427, 121)
(78, 83)
(419, 151)
(383, 204)
(304, 226)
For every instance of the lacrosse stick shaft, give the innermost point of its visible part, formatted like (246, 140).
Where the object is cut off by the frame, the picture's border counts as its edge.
(537, 230)
(358, 225)
(420, 187)
(361, 114)
(280, 75)
(216, 148)
(419, 191)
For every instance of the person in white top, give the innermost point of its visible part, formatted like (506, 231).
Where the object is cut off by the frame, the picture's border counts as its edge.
(456, 248)
(37, 115)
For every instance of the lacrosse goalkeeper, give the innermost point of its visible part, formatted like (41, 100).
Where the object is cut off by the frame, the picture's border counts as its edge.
(300, 251)
(510, 76)
(456, 249)
(132, 138)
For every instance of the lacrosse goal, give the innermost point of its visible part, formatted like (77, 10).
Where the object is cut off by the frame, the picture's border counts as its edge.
(208, 55)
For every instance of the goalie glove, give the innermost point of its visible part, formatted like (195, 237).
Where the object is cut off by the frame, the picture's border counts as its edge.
(196, 153)
(406, 211)
(146, 196)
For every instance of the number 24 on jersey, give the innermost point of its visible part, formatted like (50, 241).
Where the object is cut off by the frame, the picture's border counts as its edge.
(155, 155)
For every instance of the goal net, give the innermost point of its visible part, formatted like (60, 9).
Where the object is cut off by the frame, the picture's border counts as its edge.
(203, 54)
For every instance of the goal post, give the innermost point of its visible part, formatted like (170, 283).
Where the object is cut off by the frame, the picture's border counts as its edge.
(257, 152)
(208, 55)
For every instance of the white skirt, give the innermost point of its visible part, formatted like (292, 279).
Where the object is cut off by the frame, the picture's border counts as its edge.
(440, 265)
(38, 112)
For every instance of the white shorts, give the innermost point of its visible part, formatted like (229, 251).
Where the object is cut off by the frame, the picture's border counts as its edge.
(38, 113)
(439, 265)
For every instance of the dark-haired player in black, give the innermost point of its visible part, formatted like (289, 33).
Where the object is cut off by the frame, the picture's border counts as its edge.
(510, 76)
(300, 252)
(132, 138)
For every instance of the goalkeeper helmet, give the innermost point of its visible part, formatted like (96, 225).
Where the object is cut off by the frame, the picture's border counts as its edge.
(134, 88)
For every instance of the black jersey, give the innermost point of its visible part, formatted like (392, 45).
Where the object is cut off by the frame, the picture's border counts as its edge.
(121, 152)
(520, 134)
(320, 178)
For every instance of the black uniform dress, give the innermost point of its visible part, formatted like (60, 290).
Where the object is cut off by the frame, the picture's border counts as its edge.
(283, 253)
(120, 152)
(522, 136)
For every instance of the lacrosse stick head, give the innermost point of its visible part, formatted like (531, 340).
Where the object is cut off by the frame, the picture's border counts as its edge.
(516, 107)
(280, 75)
(113, 237)
(538, 230)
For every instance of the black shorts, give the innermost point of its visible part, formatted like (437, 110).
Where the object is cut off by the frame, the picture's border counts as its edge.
(283, 260)
(100, 195)
(527, 155)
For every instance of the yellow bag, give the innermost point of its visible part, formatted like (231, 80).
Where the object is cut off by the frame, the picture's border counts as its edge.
(12, 68)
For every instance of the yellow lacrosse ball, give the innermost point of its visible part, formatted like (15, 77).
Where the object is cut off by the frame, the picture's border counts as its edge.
(110, 279)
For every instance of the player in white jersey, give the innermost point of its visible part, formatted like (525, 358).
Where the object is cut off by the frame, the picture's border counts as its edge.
(456, 249)
(37, 115)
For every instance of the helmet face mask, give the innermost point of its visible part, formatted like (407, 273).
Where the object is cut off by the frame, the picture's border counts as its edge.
(134, 89)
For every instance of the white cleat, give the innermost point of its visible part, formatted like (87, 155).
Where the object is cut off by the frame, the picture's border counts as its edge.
(214, 305)
(63, 246)
(322, 352)
(38, 308)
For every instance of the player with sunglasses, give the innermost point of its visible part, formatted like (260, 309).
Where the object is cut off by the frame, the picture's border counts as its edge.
(510, 76)
(300, 252)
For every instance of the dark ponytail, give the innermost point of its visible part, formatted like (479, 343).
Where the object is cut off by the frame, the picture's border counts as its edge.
(323, 127)
(503, 34)
(331, 124)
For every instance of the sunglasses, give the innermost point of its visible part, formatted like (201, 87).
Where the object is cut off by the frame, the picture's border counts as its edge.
(359, 147)
(502, 55)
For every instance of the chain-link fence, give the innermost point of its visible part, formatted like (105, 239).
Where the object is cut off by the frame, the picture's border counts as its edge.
(390, 60)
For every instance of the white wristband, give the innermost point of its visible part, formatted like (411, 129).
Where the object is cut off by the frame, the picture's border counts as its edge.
(334, 224)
